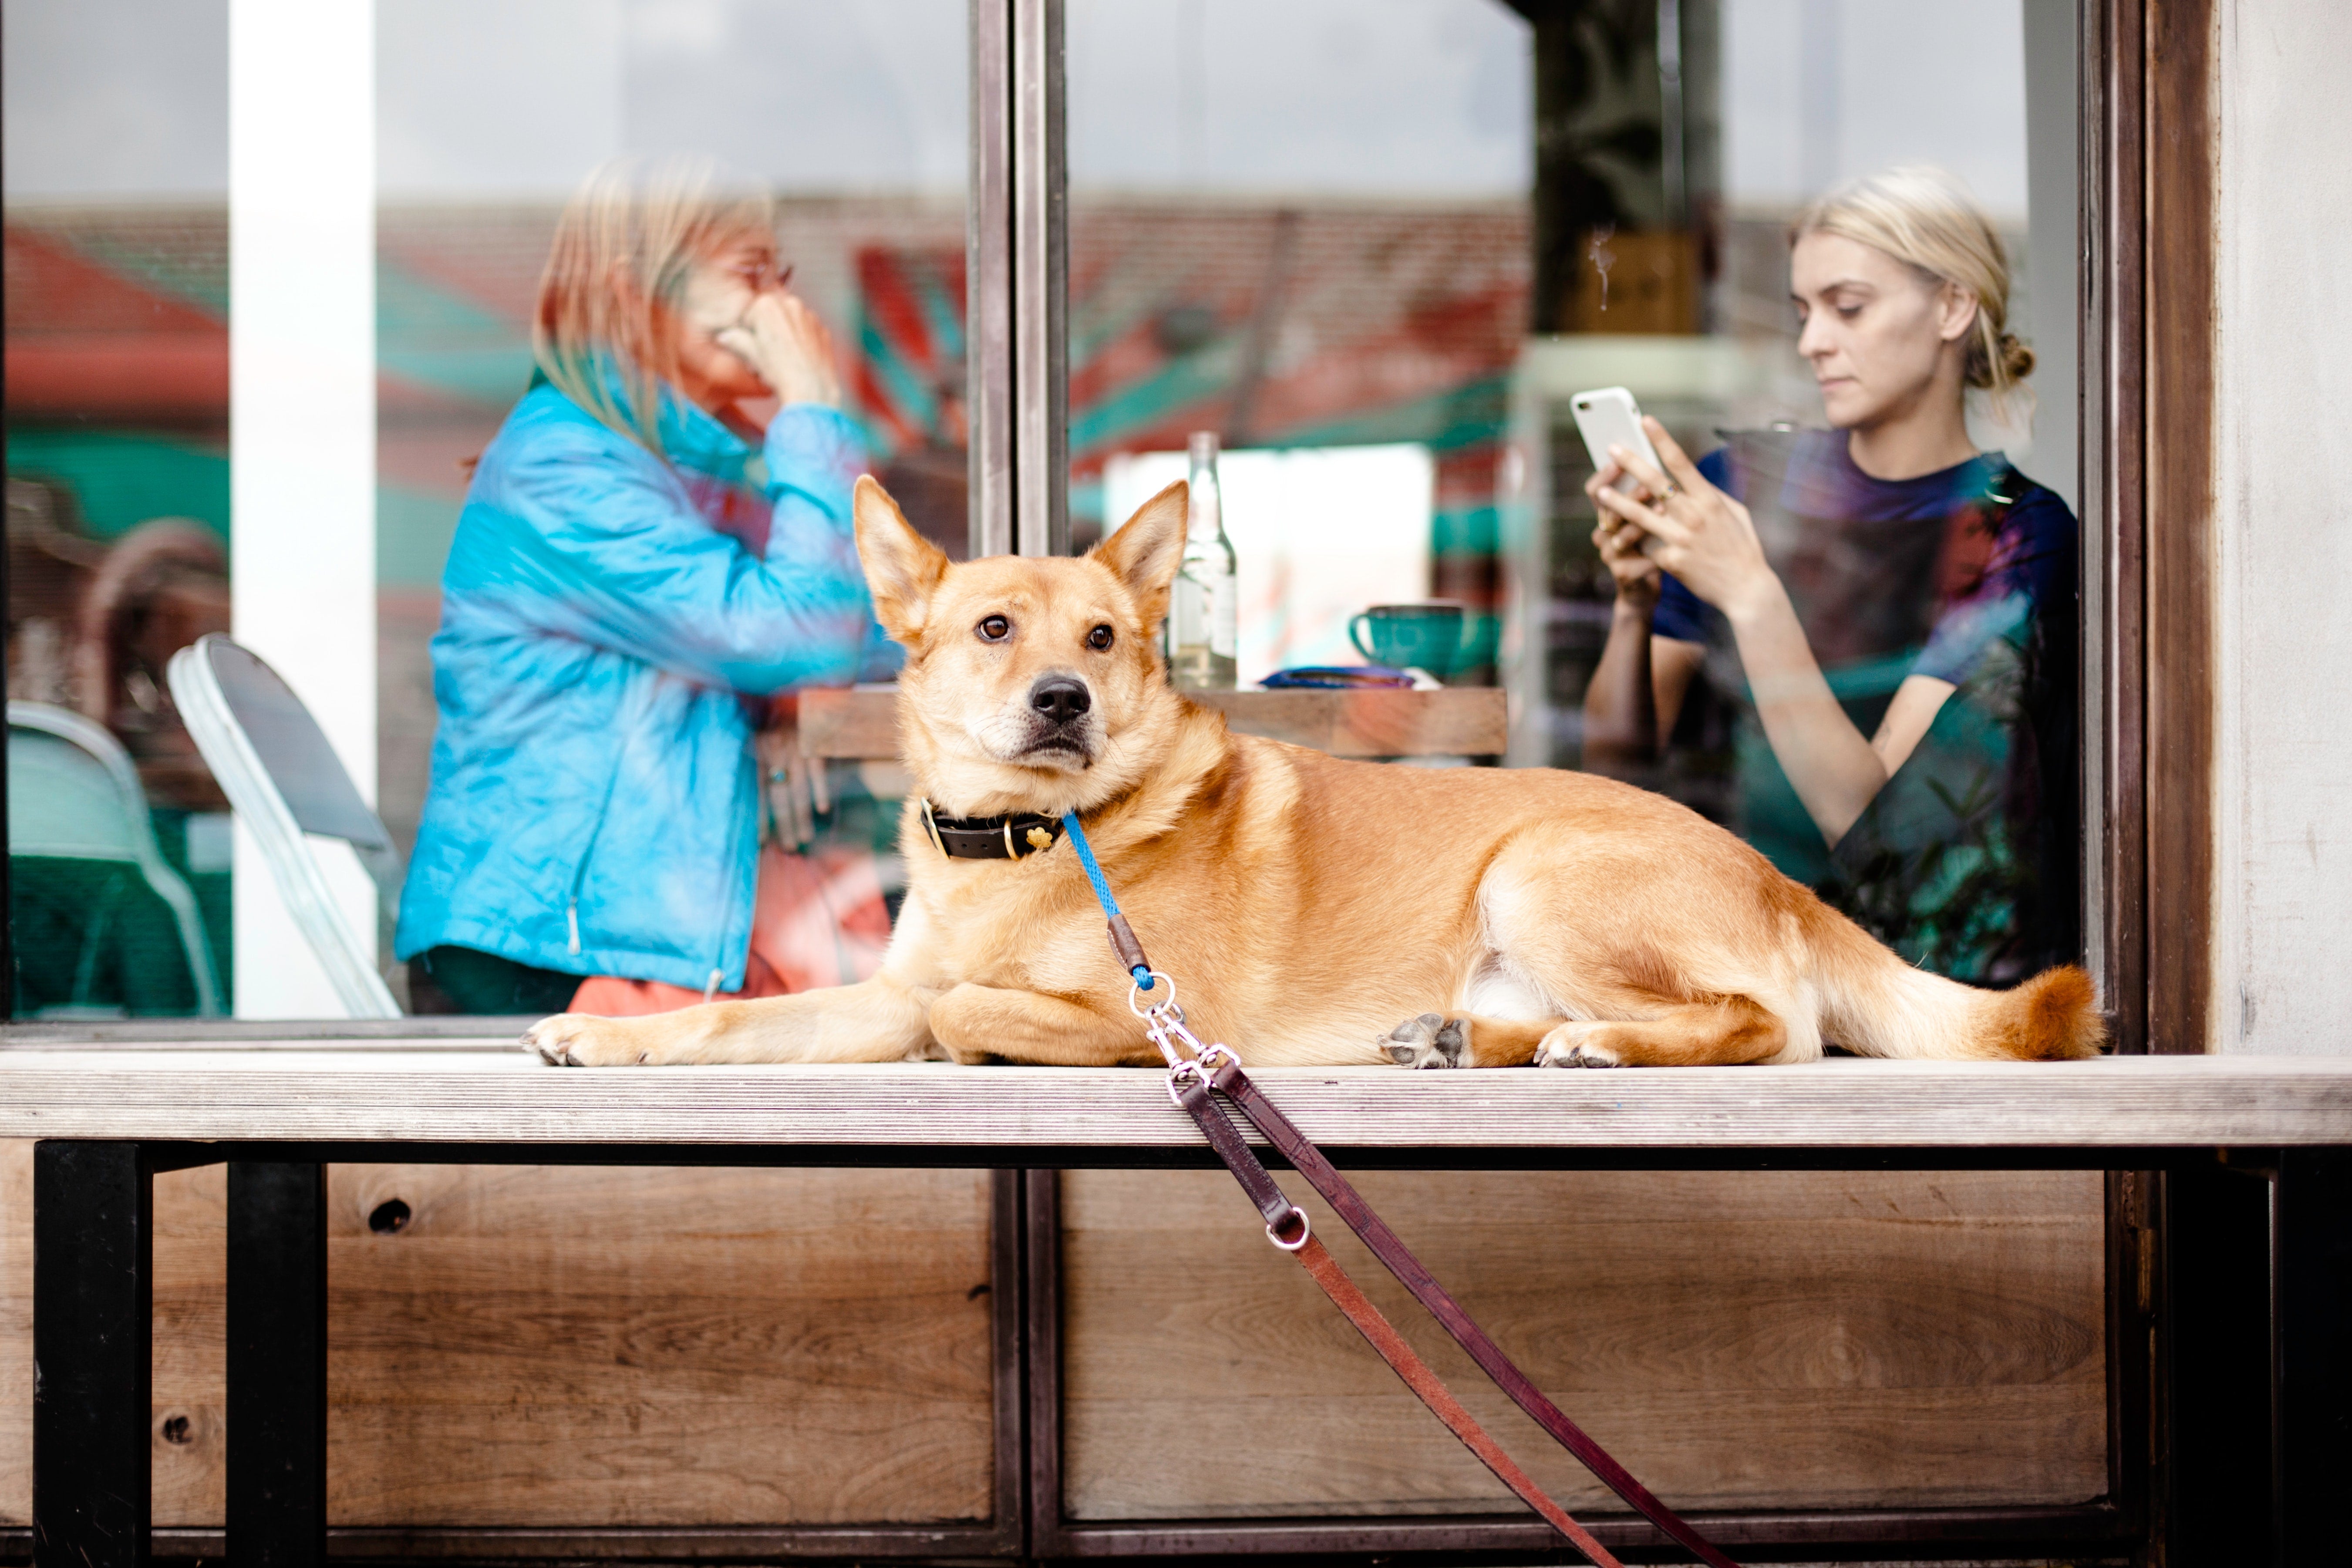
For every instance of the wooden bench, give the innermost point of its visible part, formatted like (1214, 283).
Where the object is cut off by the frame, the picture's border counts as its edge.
(110, 1117)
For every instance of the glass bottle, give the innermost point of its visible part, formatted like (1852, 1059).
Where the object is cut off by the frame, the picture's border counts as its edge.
(1202, 632)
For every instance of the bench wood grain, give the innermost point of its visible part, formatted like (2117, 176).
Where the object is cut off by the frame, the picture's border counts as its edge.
(387, 1094)
(582, 1347)
(1779, 1339)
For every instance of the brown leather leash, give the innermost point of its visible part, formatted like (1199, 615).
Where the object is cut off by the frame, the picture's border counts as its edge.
(1190, 1078)
(1286, 1226)
(1391, 1249)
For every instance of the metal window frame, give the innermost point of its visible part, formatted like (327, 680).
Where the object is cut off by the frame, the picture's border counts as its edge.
(1018, 278)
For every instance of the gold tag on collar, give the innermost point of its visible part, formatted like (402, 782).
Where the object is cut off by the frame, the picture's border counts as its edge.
(1040, 839)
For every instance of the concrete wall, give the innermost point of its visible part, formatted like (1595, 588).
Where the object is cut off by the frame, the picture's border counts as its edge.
(2283, 593)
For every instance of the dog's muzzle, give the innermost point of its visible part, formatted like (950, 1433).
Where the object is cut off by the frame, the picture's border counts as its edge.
(1061, 718)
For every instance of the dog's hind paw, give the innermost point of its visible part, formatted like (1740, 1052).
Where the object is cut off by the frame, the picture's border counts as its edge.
(1570, 1046)
(1431, 1040)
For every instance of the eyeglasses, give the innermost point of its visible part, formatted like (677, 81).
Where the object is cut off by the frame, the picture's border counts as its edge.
(760, 277)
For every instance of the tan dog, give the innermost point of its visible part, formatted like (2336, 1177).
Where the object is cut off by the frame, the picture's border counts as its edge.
(1303, 905)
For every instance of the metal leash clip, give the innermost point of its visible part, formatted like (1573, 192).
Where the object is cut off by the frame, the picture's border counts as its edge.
(1163, 1022)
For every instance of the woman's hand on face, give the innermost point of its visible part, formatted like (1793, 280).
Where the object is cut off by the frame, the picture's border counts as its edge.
(1701, 536)
(782, 339)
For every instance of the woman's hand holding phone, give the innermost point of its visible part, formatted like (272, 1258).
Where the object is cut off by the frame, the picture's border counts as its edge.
(1623, 545)
(1689, 528)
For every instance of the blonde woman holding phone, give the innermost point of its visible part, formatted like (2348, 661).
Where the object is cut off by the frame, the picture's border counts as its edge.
(1888, 617)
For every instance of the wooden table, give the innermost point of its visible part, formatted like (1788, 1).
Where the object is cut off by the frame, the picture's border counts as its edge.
(110, 1117)
(1456, 722)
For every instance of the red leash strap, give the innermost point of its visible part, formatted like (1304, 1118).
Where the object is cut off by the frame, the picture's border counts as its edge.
(1392, 1251)
(1286, 1227)
(1383, 1338)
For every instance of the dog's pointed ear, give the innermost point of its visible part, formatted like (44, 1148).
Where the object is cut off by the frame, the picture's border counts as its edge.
(903, 569)
(1147, 550)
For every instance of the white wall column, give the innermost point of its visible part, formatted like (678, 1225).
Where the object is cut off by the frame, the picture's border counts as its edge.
(302, 319)
(2282, 555)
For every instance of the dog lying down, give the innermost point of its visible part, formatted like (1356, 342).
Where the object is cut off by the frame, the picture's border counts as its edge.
(1303, 905)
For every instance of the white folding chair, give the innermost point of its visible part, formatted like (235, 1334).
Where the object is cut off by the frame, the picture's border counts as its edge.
(73, 795)
(284, 781)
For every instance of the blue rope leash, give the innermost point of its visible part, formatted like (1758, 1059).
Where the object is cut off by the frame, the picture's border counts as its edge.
(1123, 939)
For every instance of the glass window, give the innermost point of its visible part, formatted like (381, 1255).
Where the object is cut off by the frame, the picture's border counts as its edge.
(1824, 245)
(1304, 229)
(1375, 251)
(782, 177)
(117, 522)
(823, 147)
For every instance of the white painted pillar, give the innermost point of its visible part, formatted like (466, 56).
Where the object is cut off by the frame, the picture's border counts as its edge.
(2281, 544)
(301, 197)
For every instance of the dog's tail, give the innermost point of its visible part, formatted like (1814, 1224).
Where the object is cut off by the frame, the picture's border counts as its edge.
(1876, 1004)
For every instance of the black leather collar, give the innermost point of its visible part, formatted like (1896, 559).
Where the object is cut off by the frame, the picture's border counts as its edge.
(1014, 837)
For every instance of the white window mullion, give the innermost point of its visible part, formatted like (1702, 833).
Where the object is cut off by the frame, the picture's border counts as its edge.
(302, 424)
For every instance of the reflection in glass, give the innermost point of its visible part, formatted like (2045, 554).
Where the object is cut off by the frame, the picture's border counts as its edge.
(1303, 227)
(1901, 735)
(844, 126)
(118, 490)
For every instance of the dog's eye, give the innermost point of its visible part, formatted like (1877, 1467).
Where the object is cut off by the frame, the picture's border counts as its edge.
(994, 628)
(1098, 638)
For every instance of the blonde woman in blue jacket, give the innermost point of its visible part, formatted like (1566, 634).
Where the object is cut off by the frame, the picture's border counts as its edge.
(657, 540)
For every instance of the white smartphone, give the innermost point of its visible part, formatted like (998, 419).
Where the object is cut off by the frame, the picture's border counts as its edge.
(1608, 417)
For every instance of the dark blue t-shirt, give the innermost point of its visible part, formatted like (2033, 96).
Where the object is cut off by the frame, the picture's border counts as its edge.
(1966, 860)
(2029, 557)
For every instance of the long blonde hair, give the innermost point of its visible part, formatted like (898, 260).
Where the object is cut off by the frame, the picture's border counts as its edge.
(623, 249)
(1925, 218)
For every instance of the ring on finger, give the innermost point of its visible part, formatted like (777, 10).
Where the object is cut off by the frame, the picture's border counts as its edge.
(1671, 491)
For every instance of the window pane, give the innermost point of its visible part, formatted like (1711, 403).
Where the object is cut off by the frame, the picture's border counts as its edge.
(1908, 744)
(1333, 235)
(397, 196)
(842, 129)
(117, 241)
(1303, 228)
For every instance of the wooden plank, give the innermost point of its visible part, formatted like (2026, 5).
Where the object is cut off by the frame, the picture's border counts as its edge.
(583, 1347)
(856, 722)
(1457, 722)
(16, 1332)
(942, 1114)
(2180, 694)
(1775, 1340)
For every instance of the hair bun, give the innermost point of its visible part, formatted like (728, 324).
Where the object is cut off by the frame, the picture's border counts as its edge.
(2016, 359)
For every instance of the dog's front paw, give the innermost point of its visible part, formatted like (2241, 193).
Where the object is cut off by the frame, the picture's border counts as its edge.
(583, 1040)
(1431, 1040)
(1572, 1046)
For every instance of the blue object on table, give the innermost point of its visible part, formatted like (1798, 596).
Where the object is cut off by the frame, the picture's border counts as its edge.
(1336, 678)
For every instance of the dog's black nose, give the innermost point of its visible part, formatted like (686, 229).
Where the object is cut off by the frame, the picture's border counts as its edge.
(1060, 698)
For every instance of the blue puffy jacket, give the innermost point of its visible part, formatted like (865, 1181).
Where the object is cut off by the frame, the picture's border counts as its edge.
(608, 621)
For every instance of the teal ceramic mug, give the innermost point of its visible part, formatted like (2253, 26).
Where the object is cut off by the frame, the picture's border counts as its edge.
(1426, 636)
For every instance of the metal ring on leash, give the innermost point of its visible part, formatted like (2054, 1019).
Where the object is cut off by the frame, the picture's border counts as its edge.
(1159, 1001)
(1306, 1232)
